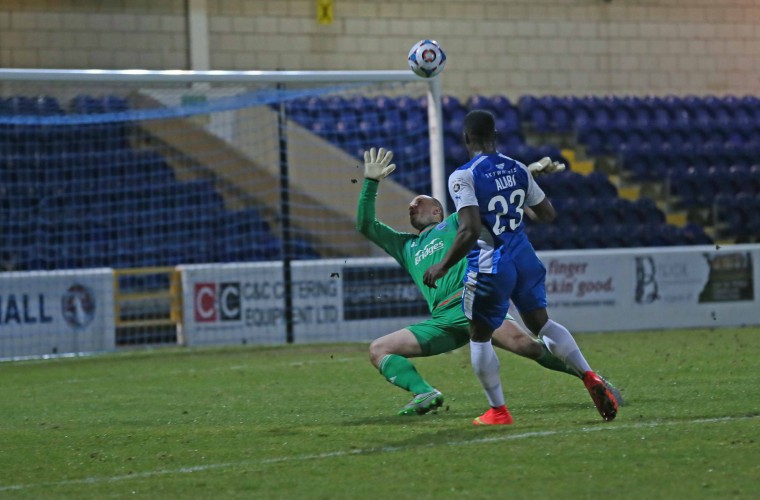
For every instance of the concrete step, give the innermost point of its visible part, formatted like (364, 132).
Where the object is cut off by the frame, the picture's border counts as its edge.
(583, 167)
(569, 155)
(678, 219)
(631, 193)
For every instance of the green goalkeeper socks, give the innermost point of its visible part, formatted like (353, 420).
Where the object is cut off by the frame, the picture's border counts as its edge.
(552, 362)
(400, 372)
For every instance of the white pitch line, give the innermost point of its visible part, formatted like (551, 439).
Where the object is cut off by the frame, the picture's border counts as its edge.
(369, 451)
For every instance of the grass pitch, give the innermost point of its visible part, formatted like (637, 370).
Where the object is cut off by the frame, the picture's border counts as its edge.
(319, 422)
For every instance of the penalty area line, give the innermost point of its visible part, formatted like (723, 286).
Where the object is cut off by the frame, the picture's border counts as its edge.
(369, 451)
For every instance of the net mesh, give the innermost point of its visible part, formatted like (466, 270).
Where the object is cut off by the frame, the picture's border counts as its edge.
(136, 177)
(143, 177)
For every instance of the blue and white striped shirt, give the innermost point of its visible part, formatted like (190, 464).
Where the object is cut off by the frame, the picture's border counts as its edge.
(500, 187)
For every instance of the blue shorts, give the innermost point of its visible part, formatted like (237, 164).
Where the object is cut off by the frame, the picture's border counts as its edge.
(486, 296)
(529, 293)
(520, 276)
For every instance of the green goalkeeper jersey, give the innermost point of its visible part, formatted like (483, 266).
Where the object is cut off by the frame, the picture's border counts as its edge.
(415, 253)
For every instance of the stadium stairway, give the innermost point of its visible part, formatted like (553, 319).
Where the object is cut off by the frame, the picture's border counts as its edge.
(634, 190)
(695, 224)
(695, 155)
(242, 169)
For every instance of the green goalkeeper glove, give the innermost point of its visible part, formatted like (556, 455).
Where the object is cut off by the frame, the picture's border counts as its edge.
(545, 166)
(376, 164)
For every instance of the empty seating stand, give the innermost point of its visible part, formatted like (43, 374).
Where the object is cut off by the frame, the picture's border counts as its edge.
(78, 196)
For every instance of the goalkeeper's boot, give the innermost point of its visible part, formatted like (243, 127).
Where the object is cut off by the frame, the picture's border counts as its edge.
(423, 403)
(603, 399)
(494, 416)
(614, 390)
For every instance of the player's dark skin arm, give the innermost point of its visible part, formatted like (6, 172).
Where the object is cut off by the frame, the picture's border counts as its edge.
(543, 212)
(466, 237)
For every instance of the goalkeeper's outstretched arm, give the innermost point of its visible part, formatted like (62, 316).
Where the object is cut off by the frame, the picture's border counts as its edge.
(377, 166)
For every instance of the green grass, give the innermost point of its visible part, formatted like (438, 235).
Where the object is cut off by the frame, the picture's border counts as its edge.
(319, 422)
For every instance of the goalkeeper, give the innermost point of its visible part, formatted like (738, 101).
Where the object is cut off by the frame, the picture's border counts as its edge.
(448, 328)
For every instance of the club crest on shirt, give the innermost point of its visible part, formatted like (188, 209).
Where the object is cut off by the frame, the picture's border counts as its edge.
(456, 187)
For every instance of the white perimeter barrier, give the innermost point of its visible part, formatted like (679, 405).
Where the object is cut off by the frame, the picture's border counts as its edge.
(56, 312)
(333, 300)
(43, 313)
(361, 299)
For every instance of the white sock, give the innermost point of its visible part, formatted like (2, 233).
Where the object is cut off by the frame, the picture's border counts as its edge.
(561, 343)
(485, 363)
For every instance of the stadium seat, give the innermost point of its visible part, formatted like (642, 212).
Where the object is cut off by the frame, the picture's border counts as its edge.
(526, 104)
(86, 104)
(694, 234)
(409, 107)
(621, 236)
(553, 237)
(451, 104)
(576, 237)
(302, 250)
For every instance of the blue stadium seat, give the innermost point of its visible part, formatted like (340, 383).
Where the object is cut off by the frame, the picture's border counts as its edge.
(511, 142)
(361, 104)
(451, 104)
(648, 212)
(720, 180)
(86, 104)
(302, 250)
(385, 103)
(754, 173)
(570, 211)
(596, 237)
(694, 234)
(562, 119)
(600, 185)
(553, 237)
(536, 234)
(347, 131)
(508, 121)
(478, 101)
(680, 184)
(593, 137)
(605, 211)
(455, 153)
(336, 105)
(740, 179)
(409, 108)
(664, 235)
(621, 236)
(47, 106)
(576, 237)
(115, 104)
(501, 105)
(526, 104)
(540, 119)
(21, 105)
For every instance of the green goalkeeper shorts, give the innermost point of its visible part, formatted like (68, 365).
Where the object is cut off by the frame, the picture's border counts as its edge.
(446, 330)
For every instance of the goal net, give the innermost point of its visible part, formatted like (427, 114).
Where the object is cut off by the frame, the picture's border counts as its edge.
(141, 172)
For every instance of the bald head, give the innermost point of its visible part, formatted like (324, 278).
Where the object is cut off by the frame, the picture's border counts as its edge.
(424, 211)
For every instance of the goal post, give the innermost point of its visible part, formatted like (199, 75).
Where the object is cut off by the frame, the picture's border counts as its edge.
(139, 170)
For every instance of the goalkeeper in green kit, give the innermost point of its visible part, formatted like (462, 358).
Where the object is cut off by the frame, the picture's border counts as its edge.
(448, 328)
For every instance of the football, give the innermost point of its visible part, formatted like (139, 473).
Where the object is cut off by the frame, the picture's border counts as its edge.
(427, 59)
